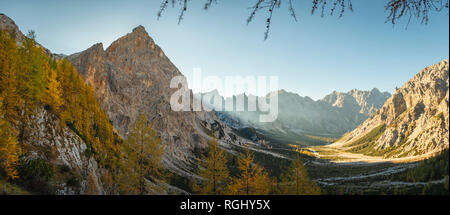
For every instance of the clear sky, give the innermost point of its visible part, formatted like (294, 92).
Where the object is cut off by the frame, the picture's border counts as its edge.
(312, 57)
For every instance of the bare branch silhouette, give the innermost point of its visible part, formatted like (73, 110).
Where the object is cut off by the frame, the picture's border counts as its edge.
(397, 9)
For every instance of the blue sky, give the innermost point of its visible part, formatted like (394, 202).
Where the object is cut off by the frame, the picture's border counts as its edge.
(312, 57)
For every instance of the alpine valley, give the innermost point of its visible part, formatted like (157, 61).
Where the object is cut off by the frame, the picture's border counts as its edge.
(100, 122)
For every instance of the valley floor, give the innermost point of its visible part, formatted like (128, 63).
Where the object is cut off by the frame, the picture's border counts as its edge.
(336, 154)
(338, 171)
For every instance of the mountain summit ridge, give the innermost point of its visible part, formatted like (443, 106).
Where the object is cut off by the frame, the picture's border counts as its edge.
(335, 114)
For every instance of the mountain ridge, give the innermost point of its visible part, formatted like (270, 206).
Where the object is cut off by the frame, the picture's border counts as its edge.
(414, 120)
(336, 113)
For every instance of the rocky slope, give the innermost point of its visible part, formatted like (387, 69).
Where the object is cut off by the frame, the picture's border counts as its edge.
(61, 147)
(413, 121)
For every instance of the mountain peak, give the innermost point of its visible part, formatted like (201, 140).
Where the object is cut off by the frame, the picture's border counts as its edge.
(375, 90)
(97, 46)
(138, 39)
(139, 32)
(139, 29)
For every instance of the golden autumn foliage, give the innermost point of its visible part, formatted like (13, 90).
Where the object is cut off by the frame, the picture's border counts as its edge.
(214, 171)
(9, 151)
(143, 152)
(54, 89)
(253, 179)
(81, 111)
(31, 80)
(295, 180)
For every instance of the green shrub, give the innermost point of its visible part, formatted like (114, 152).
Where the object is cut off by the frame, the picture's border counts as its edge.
(35, 174)
(73, 182)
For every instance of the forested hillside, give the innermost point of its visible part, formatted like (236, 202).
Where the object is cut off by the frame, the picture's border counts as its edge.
(32, 82)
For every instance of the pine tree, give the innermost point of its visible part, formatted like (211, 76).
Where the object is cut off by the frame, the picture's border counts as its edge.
(214, 170)
(253, 179)
(143, 154)
(295, 180)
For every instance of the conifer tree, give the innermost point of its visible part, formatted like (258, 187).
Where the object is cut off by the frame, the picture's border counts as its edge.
(214, 170)
(295, 180)
(53, 90)
(143, 154)
(253, 180)
(9, 150)
(10, 98)
(31, 77)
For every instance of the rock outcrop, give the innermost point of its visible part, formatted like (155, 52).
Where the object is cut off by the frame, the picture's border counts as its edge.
(59, 146)
(415, 118)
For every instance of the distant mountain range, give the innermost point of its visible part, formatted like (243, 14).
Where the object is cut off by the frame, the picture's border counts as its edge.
(335, 114)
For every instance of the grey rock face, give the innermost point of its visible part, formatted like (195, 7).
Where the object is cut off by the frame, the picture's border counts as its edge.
(8, 24)
(49, 140)
(366, 102)
(336, 113)
(416, 116)
(131, 77)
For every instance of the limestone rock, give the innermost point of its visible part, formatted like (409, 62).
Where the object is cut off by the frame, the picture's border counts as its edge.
(416, 116)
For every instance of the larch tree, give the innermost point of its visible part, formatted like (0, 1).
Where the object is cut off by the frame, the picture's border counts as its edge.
(9, 150)
(10, 98)
(213, 170)
(54, 90)
(31, 76)
(295, 180)
(253, 180)
(143, 152)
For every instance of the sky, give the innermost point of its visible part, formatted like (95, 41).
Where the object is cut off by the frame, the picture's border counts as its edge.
(311, 57)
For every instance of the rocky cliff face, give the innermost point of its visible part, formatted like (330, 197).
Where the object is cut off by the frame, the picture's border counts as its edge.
(131, 77)
(414, 121)
(59, 146)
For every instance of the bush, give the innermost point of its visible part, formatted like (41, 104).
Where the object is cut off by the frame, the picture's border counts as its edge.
(73, 182)
(35, 174)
